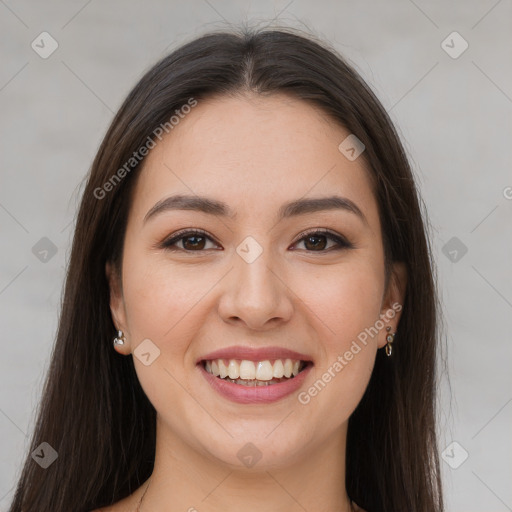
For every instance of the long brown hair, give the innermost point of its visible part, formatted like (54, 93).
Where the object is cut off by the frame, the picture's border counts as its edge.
(94, 412)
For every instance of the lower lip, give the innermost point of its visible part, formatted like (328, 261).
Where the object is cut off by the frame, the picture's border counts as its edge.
(255, 394)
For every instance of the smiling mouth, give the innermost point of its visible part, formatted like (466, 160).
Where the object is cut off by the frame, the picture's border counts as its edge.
(255, 373)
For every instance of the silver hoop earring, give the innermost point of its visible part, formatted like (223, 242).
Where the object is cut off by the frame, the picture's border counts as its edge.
(119, 339)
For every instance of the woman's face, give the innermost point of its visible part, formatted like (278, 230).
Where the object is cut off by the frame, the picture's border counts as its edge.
(260, 284)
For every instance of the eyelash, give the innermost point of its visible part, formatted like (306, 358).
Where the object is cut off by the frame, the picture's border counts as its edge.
(180, 235)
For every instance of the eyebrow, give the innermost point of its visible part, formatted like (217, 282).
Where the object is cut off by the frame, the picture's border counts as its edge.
(291, 209)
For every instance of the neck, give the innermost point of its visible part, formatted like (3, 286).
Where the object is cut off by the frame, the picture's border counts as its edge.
(185, 479)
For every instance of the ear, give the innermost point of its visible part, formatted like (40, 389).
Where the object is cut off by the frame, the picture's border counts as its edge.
(393, 302)
(117, 307)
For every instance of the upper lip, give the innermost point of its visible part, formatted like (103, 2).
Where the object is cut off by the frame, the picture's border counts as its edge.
(254, 354)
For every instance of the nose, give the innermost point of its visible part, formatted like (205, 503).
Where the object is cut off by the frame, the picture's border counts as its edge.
(255, 294)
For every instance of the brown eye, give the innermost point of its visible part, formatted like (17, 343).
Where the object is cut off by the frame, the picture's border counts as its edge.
(191, 241)
(317, 241)
(194, 242)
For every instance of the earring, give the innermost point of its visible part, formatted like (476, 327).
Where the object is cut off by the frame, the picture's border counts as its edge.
(389, 338)
(119, 339)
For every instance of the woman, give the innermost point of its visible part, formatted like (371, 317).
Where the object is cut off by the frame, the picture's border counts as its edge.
(251, 240)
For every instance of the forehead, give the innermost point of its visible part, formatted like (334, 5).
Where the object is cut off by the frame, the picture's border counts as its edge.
(254, 153)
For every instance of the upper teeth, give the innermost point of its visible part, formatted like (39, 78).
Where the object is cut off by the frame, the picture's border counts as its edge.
(261, 370)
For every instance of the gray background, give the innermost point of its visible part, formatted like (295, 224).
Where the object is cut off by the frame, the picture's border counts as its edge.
(454, 115)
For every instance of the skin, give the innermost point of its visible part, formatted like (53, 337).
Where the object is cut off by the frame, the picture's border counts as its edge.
(315, 301)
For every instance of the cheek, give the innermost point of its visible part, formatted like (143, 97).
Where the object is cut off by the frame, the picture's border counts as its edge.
(159, 306)
(162, 304)
(347, 306)
(160, 298)
(346, 301)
